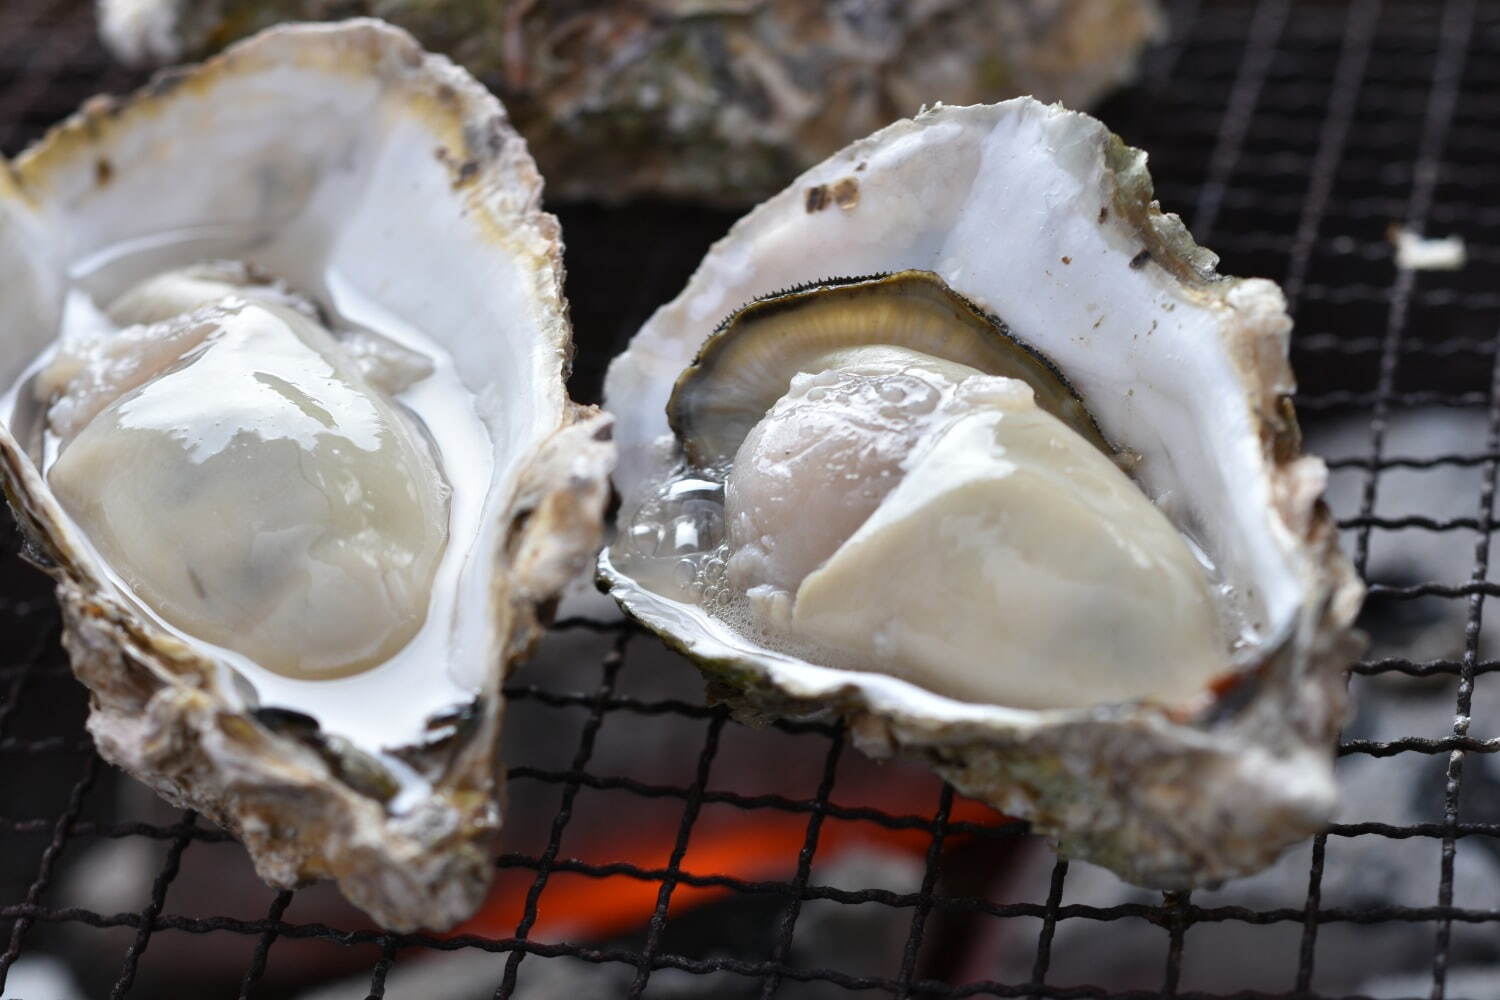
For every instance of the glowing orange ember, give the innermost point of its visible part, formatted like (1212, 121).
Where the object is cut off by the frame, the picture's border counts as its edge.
(749, 845)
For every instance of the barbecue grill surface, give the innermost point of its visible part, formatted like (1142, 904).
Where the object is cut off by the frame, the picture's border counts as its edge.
(1291, 138)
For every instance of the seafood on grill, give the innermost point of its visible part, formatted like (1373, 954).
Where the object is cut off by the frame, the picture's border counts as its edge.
(988, 460)
(719, 100)
(287, 425)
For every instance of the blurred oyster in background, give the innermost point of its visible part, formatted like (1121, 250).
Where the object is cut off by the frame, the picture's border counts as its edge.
(716, 100)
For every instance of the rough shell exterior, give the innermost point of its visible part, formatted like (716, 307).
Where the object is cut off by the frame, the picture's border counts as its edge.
(1170, 800)
(720, 100)
(303, 805)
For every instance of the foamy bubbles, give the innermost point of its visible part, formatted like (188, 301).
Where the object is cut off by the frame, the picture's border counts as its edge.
(677, 536)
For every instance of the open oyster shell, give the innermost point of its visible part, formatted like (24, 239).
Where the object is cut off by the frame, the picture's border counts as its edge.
(1042, 219)
(723, 100)
(385, 185)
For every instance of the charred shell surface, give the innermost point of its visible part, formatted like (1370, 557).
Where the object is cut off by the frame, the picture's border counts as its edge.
(717, 100)
(307, 803)
(1169, 798)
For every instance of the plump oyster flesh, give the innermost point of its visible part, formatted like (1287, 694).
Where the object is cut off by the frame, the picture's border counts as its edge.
(901, 511)
(250, 485)
(1214, 752)
(722, 100)
(306, 503)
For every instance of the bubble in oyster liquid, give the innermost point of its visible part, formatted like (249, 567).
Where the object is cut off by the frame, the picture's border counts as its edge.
(675, 534)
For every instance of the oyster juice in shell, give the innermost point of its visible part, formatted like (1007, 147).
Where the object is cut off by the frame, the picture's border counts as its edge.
(721, 100)
(287, 424)
(904, 497)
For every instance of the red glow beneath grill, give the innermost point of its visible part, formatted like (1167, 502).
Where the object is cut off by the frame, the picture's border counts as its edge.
(749, 845)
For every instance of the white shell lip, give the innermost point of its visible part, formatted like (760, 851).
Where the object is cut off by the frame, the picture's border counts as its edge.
(444, 229)
(1166, 799)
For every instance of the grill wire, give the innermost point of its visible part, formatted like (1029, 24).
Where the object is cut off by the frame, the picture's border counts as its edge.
(1289, 139)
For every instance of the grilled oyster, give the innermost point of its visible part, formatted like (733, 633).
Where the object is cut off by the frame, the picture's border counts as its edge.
(1027, 504)
(724, 100)
(287, 425)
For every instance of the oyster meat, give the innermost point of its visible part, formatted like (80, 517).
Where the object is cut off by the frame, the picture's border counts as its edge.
(287, 425)
(719, 100)
(1018, 491)
(228, 460)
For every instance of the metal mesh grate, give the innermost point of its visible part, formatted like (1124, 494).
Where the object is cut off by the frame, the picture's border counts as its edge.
(1291, 138)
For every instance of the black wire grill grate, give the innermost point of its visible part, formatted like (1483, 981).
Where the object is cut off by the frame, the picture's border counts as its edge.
(1290, 136)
